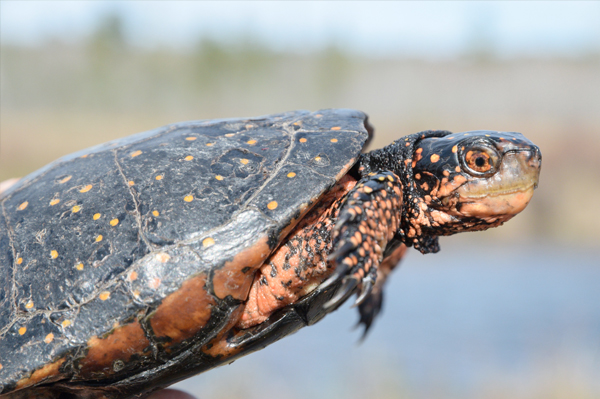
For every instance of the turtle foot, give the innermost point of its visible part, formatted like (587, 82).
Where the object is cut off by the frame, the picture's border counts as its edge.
(364, 226)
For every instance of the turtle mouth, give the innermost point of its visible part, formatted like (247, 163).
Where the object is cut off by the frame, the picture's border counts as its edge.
(507, 192)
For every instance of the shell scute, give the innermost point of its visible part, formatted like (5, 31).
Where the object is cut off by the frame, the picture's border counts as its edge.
(268, 180)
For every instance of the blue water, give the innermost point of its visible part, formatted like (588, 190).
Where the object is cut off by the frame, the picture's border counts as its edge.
(455, 322)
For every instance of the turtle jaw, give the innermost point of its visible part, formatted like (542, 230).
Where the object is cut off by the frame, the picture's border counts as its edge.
(507, 192)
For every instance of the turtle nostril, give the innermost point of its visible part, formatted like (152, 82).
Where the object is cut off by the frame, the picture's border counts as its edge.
(535, 158)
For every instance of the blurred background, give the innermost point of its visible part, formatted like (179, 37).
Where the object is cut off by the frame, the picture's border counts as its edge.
(509, 313)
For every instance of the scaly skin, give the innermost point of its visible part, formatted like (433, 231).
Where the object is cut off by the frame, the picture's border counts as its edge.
(410, 192)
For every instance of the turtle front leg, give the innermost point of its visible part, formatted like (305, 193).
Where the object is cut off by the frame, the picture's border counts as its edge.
(367, 222)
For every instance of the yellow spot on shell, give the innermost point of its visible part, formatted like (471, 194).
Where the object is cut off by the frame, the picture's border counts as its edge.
(132, 276)
(219, 177)
(29, 305)
(336, 128)
(76, 209)
(210, 144)
(66, 323)
(104, 295)
(434, 158)
(208, 241)
(114, 222)
(317, 159)
(131, 182)
(19, 261)
(191, 138)
(65, 179)
(49, 338)
(84, 156)
(99, 238)
(291, 174)
(155, 283)
(251, 142)
(272, 205)
(136, 153)
(54, 201)
(188, 198)
(244, 161)
(189, 158)
(455, 148)
(53, 254)
(303, 140)
(136, 293)
(86, 189)
(23, 206)
(229, 135)
(96, 216)
(367, 189)
(162, 257)
(155, 213)
(333, 140)
(22, 330)
(159, 177)
(79, 266)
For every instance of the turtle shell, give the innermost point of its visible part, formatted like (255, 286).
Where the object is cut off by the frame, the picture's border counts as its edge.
(119, 258)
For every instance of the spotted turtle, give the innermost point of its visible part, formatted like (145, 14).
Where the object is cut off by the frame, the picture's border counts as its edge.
(132, 265)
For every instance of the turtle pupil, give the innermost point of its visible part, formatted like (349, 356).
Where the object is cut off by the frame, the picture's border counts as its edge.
(480, 161)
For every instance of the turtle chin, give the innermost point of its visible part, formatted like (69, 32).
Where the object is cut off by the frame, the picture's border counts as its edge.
(503, 205)
(507, 192)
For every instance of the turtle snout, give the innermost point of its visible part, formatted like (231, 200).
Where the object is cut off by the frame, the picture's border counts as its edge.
(535, 158)
(533, 163)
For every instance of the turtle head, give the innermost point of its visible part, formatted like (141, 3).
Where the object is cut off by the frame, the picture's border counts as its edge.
(470, 181)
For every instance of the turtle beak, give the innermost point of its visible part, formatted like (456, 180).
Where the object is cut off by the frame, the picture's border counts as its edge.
(508, 191)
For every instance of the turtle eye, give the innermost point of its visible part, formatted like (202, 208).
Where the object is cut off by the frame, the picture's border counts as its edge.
(480, 160)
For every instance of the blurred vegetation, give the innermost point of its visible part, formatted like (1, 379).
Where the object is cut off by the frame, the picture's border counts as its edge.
(59, 97)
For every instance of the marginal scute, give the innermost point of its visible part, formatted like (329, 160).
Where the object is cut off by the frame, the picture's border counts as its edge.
(185, 312)
(123, 343)
(49, 370)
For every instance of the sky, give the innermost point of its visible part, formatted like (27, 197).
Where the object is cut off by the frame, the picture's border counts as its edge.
(422, 29)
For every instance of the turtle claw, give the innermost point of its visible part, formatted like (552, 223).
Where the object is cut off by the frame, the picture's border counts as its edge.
(342, 251)
(337, 275)
(348, 286)
(367, 287)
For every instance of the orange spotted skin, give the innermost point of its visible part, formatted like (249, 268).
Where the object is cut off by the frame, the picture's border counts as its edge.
(140, 262)
(300, 264)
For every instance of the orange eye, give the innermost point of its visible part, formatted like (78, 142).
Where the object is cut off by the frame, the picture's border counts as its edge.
(479, 161)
